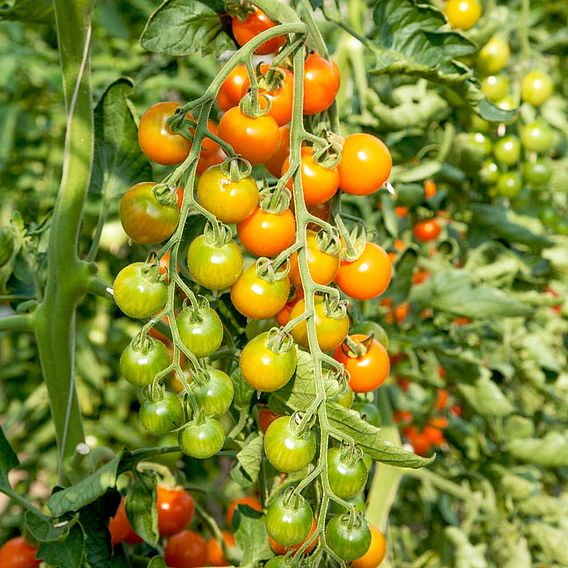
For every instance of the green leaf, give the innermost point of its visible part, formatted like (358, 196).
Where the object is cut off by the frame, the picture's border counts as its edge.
(141, 507)
(43, 529)
(156, 562)
(486, 397)
(28, 11)
(549, 451)
(184, 27)
(401, 283)
(459, 365)
(119, 162)
(251, 536)
(243, 391)
(427, 169)
(246, 468)
(8, 458)
(389, 215)
(67, 553)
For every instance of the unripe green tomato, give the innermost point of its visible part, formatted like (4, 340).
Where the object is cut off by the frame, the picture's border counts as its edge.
(537, 173)
(140, 364)
(286, 450)
(489, 172)
(509, 184)
(289, 519)
(170, 459)
(479, 143)
(507, 150)
(214, 397)
(479, 124)
(255, 327)
(493, 56)
(201, 331)
(161, 416)
(348, 539)
(507, 103)
(548, 216)
(495, 87)
(202, 439)
(347, 477)
(537, 136)
(6, 245)
(358, 501)
(277, 562)
(369, 412)
(536, 87)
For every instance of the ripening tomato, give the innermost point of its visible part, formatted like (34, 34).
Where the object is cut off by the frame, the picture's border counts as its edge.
(376, 553)
(283, 316)
(420, 442)
(267, 234)
(266, 417)
(368, 371)
(495, 87)
(255, 23)
(462, 14)
(321, 83)
(230, 92)
(536, 87)
(420, 276)
(349, 539)
(141, 361)
(289, 519)
(368, 276)
(186, 549)
(441, 399)
(323, 266)
(276, 161)
(207, 160)
(161, 415)
(319, 183)
(202, 439)
(427, 230)
(175, 510)
(365, 164)
(120, 528)
(215, 556)
(279, 549)
(286, 449)
(430, 188)
(493, 56)
(247, 501)
(17, 553)
(201, 331)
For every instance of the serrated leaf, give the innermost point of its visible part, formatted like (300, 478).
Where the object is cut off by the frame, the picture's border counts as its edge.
(28, 11)
(141, 507)
(67, 553)
(486, 397)
(549, 451)
(43, 529)
(246, 468)
(251, 536)
(8, 458)
(184, 27)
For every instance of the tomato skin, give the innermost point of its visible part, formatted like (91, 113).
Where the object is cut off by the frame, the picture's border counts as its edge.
(365, 164)
(283, 316)
(231, 90)
(139, 366)
(369, 412)
(489, 172)
(285, 450)
(349, 543)
(215, 555)
(368, 276)
(202, 440)
(319, 183)
(493, 56)
(330, 331)
(538, 172)
(17, 553)
(161, 416)
(495, 87)
(230, 202)
(208, 160)
(428, 230)
(537, 136)
(289, 523)
(215, 396)
(368, 372)
(462, 14)
(277, 562)
(256, 23)
(249, 501)
(256, 139)
(509, 184)
(345, 479)
(276, 161)
(263, 369)
(266, 417)
(257, 298)
(137, 295)
(508, 150)
(175, 510)
(186, 549)
(279, 549)
(536, 87)
(376, 553)
(323, 266)
(120, 528)
(267, 234)
(201, 333)
(321, 83)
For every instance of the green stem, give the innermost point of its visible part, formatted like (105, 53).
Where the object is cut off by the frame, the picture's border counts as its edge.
(17, 322)
(524, 29)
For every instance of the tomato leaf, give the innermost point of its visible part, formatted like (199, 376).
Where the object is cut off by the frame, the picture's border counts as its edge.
(402, 280)
(43, 530)
(156, 562)
(243, 391)
(141, 507)
(486, 397)
(8, 458)
(251, 536)
(549, 451)
(246, 468)
(388, 213)
(69, 552)
(28, 11)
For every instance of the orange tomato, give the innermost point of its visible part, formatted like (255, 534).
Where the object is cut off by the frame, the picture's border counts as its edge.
(323, 266)
(428, 230)
(376, 552)
(267, 234)
(276, 161)
(256, 23)
(231, 90)
(251, 501)
(215, 556)
(430, 188)
(321, 83)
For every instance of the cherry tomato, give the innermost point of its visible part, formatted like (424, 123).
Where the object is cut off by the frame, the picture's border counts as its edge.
(141, 361)
(256, 139)
(279, 549)
(231, 90)
(215, 556)
(321, 83)
(463, 14)
(266, 417)
(215, 395)
(347, 476)
(214, 266)
(430, 188)
(495, 87)
(369, 412)
(537, 136)
(493, 56)
(427, 230)
(139, 290)
(248, 501)
(256, 23)
(186, 549)
(161, 415)
(286, 449)
(441, 399)
(175, 510)
(277, 562)
(330, 331)
(507, 150)
(120, 528)
(349, 539)
(203, 439)
(419, 441)
(365, 164)
(368, 276)
(509, 184)
(289, 519)
(538, 172)
(262, 368)
(319, 183)
(208, 160)
(267, 234)
(17, 553)
(536, 87)
(477, 144)
(201, 331)
(376, 553)
(283, 316)
(276, 161)
(489, 172)
(323, 266)
(230, 201)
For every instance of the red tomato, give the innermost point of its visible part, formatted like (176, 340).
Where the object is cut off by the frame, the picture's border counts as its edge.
(267, 234)
(215, 555)
(17, 553)
(420, 276)
(401, 211)
(427, 230)
(186, 549)
(229, 94)
(441, 399)
(256, 23)
(283, 316)
(175, 510)
(120, 529)
(321, 83)
(252, 502)
(276, 161)
(266, 417)
(419, 441)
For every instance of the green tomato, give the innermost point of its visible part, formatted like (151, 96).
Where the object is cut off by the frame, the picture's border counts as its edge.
(536, 87)
(562, 226)
(507, 103)
(493, 56)
(215, 395)
(479, 143)
(489, 172)
(287, 450)
(142, 360)
(347, 475)
(369, 412)
(509, 184)
(160, 416)
(200, 330)
(507, 150)
(480, 125)
(537, 136)
(537, 173)
(495, 87)
(202, 439)
(548, 216)
(348, 538)
(358, 501)
(289, 519)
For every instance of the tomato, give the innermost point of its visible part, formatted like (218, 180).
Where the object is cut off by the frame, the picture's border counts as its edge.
(347, 475)
(283, 316)
(369, 412)
(208, 160)
(344, 397)
(215, 266)
(142, 360)
(215, 395)
(254, 24)
(267, 234)
(365, 164)
(330, 331)
(262, 368)
(348, 538)
(139, 290)
(537, 136)
(230, 201)
(276, 161)
(256, 139)
(536, 87)
(231, 90)
(507, 150)
(509, 184)
(538, 172)
(323, 266)
(427, 230)
(279, 549)
(430, 188)
(175, 510)
(256, 297)
(17, 553)
(277, 562)
(120, 528)
(367, 371)
(321, 83)
(495, 87)
(441, 399)
(201, 331)
(248, 501)
(462, 14)
(186, 549)
(358, 502)
(161, 415)
(266, 417)
(319, 183)
(289, 519)
(419, 441)
(286, 449)
(368, 276)
(376, 553)
(493, 56)
(202, 439)
(215, 556)
(489, 172)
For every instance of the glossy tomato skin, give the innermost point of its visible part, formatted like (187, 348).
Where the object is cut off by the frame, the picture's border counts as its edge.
(289, 519)
(202, 440)
(175, 510)
(230, 201)
(365, 164)
(160, 416)
(495, 87)
(322, 265)
(368, 372)
(276, 161)
(215, 555)
(231, 90)
(139, 365)
(348, 542)
(285, 450)
(201, 332)
(537, 136)
(428, 230)
(493, 56)
(256, 23)
(267, 234)
(509, 184)
(263, 369)
(277, 562)
(256, 139)
(376, 553)
(215, 267)
(248, 501)
(266, 417)
(120, 528)
(319, 183)
(507, 150)
(330, 331)
(538, 172)
(283, 316)
(17, 553)
(186, 549)
(137, 295)
(321, 83)
(346, 479)
(214, 397)
(144, 218)
(462, 14)
(279, 549)
(368, 276)
(257, 298)
(536, 87)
